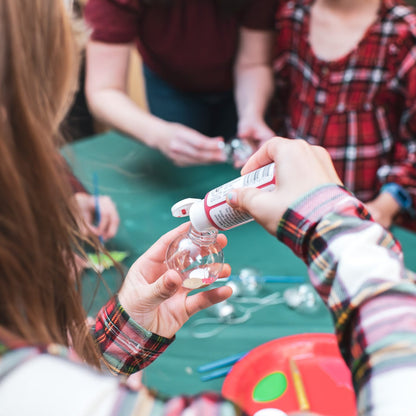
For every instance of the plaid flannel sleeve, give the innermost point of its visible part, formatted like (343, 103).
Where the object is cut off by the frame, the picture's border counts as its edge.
(357, 268)
(126, 346)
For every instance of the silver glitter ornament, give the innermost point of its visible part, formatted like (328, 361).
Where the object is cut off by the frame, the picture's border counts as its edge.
(302, 298)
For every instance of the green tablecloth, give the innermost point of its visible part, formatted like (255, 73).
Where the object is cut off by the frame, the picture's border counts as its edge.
(144, 185)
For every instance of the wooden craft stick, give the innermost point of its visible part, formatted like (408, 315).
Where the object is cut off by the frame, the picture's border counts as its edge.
(299, 387)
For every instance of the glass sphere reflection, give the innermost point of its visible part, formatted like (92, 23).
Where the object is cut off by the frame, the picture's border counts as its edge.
(197, 257)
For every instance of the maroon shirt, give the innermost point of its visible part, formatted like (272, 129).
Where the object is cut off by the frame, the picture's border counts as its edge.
(190, 44)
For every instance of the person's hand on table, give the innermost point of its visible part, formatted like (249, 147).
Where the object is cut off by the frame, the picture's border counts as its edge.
(383, 209)
(153, 295)
(255, 132)
(187, 147)
(300, 168)
(109, 218)
(254, 128)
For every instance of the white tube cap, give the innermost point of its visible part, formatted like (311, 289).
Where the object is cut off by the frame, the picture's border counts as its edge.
(181, 209)
(196, 211)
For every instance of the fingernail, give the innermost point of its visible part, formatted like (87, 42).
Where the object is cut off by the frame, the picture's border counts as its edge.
(231, 198)
(221, 145)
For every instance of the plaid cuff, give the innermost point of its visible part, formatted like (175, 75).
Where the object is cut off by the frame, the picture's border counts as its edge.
(300, 220)
(126, 346)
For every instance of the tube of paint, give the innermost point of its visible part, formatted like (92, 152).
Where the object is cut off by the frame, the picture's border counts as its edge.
(214, 212)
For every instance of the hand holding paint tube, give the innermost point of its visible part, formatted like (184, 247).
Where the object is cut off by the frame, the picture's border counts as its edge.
(196, 255)
(214, 212)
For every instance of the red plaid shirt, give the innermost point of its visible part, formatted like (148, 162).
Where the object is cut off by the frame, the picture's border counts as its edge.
(362, 107)
(126, 346)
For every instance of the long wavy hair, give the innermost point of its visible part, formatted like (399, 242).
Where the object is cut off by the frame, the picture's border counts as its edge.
(39, 58)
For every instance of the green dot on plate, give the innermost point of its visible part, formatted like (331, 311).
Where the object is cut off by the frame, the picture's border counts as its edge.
(270, 387)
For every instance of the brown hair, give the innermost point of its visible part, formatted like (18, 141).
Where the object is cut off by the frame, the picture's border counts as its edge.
(39, 58)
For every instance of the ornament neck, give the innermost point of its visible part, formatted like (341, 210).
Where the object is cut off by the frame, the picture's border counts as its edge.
(203, 238)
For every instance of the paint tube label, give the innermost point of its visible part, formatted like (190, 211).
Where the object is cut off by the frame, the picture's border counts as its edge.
(220, 214)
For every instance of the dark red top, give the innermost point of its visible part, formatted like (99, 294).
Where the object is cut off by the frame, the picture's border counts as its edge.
(190, 44)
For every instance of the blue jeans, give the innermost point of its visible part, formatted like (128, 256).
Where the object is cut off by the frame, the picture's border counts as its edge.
(212, 114)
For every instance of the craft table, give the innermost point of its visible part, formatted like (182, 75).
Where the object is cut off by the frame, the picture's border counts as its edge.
(144, 186)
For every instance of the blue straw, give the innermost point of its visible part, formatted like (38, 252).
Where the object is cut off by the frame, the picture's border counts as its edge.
(221, 363)
(97, 203)
(283, 279)
(216, 374)
(275, 279)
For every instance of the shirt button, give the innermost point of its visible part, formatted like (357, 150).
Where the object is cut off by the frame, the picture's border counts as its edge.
(318, 111)
(325, 70)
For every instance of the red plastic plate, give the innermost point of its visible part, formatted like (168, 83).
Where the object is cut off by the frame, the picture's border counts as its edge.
(262, 379)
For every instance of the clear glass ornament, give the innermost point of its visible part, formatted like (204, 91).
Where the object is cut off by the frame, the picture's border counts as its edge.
(196, 256)
(251, 283)
(238, 151)
(302, 298)
(247, 283)
(223, 311)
